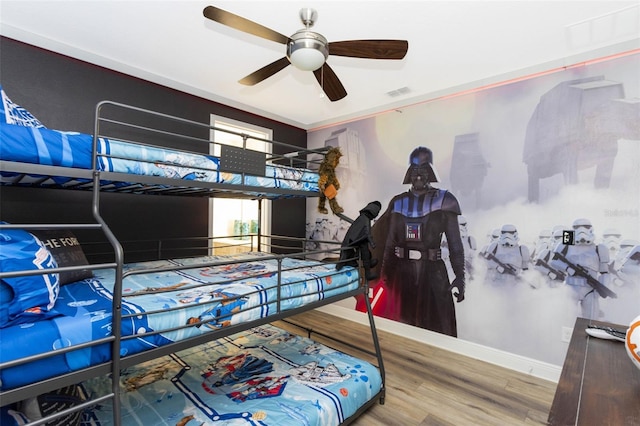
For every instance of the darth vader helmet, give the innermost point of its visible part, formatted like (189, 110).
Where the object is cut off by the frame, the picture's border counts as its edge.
(421, 163)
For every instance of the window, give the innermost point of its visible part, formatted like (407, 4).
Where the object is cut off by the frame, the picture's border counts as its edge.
(234, 217)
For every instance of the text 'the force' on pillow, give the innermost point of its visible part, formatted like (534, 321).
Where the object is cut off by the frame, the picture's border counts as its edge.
(67, 251)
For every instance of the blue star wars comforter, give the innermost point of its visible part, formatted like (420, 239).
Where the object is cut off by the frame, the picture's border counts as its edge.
(39, 145)
(263, 376)
(25, 139)
(205, 298)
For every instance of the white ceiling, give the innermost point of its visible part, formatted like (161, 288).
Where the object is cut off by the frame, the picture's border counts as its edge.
(453, 46)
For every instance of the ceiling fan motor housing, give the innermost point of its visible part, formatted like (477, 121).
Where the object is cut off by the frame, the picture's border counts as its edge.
(307, 50)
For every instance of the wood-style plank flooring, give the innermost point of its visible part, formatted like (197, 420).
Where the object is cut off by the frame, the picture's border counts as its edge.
(426, 385)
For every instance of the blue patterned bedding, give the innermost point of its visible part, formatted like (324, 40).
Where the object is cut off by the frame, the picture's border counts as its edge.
(25, 139)
(205, 297)
(39, 145)
(262, 376)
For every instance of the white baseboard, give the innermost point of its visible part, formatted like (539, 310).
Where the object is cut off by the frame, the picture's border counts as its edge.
(504, 359)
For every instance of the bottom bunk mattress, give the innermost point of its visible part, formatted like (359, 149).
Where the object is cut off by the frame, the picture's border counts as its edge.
(262, 376)
(165, 306)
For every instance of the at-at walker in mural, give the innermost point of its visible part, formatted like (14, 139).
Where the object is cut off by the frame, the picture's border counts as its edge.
(468, 168)
(577, 125)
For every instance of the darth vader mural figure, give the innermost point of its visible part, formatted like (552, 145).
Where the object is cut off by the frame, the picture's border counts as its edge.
(409, 233)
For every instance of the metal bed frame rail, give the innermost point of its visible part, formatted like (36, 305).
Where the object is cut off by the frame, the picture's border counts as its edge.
(114, 366)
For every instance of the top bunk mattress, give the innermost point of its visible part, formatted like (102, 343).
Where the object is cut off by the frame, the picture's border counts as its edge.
(65, 160)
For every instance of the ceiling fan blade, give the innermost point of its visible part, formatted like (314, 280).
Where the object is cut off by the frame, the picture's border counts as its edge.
(265, 72)
(242, 24)
(330, 83)
(370, 49)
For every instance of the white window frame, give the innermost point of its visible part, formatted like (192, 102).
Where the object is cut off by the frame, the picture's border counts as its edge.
(250, 129)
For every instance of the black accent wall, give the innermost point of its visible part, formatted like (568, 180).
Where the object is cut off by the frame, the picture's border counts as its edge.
(62, 93)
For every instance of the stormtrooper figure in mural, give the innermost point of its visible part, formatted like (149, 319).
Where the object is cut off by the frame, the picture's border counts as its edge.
(506, 258)
(586, 265)
(470, 246)
(541, 243)
(412, 229)
(611, 238)
(492, 237)
(542, 260)
(625, 268)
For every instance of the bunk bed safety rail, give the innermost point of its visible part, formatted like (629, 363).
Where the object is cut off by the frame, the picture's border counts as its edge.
(289, 152)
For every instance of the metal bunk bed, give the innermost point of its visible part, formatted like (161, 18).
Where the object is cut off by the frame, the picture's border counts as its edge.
(238, 161)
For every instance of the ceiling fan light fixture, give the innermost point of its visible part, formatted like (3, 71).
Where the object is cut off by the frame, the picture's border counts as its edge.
(307, 50)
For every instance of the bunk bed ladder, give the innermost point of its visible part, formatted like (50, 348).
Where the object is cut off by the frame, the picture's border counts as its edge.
(117, 299)
(116, 329)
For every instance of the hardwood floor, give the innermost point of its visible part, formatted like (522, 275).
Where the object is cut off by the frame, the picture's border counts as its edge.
(426, 385)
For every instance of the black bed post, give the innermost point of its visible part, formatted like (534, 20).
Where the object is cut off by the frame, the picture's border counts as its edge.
(259, 223)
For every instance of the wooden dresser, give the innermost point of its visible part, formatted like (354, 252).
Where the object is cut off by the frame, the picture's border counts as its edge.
(599, 384)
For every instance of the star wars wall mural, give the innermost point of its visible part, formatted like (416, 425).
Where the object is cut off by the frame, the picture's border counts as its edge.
(505, 213)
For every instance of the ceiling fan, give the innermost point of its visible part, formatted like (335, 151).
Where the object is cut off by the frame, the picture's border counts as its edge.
(308, 50)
